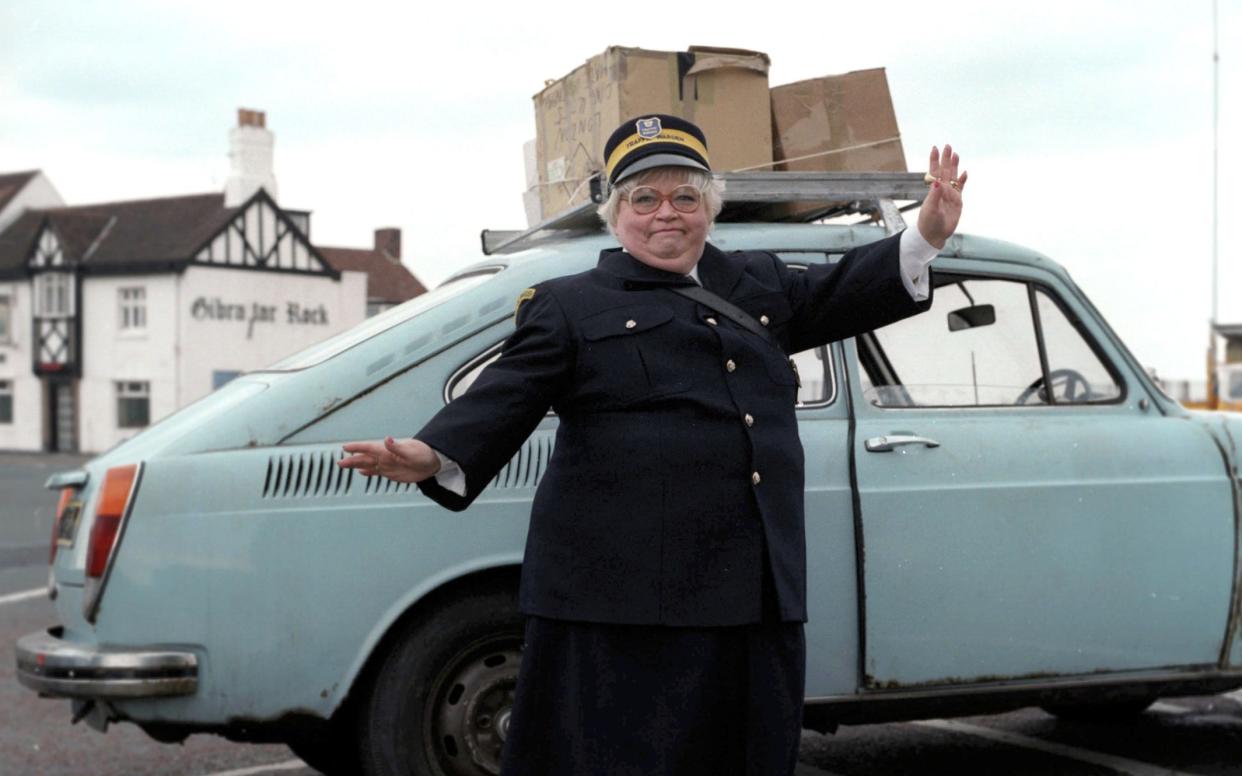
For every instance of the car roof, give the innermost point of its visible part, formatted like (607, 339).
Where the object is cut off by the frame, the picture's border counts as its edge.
(569, 248)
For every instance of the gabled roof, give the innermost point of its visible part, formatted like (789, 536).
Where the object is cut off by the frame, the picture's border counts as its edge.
(18, 240)
(387, 280)
(13, 182)
(157, 232)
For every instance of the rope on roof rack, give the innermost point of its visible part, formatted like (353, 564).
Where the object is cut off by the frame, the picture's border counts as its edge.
(818, 154)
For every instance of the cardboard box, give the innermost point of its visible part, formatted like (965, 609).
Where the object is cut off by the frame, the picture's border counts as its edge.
(532, 206)
(835, 123)
(724, 91)
(529, 161)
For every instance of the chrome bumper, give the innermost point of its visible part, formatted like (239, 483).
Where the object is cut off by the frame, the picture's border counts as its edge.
(51, 666)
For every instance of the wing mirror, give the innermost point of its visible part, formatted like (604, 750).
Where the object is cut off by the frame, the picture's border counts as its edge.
(972, 317)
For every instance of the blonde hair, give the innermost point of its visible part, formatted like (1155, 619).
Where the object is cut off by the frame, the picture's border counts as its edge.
(713, 191)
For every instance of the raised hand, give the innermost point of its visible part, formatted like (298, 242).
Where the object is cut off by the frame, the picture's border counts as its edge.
(943, 207)
(406, 461)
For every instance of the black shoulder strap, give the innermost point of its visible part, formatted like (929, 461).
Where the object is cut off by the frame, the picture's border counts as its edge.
(727, 309)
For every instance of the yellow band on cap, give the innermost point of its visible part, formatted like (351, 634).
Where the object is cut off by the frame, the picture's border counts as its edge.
(636, 141)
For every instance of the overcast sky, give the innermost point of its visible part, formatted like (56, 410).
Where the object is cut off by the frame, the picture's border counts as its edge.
(1086, 126)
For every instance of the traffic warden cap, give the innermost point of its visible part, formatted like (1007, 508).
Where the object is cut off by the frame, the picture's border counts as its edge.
(651, 141)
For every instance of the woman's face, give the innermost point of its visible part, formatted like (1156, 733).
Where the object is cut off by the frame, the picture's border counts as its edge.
(667, 238)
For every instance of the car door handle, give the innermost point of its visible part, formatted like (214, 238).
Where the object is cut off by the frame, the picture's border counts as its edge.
(884, 444)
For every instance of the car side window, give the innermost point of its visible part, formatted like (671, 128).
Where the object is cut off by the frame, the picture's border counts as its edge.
(815, 371)
(1078, 374)
(984, 342)
(817, 376)
(463, 378)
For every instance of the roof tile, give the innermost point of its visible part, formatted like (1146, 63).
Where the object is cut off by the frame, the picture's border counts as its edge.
(387, 280)
(149, 231)
(13, 182)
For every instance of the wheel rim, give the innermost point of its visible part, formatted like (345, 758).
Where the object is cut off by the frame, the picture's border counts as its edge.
(471, 706)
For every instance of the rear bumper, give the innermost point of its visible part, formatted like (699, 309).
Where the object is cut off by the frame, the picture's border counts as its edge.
(50, 665)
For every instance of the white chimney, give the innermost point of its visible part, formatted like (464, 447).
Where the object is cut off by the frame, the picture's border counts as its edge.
(250, 155)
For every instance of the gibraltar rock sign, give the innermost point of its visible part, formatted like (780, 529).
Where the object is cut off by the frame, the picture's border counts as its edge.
(216, 309)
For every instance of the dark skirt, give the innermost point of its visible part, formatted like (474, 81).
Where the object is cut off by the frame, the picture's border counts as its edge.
(645, 700)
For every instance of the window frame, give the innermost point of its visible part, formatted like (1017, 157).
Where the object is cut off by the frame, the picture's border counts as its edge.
(828, 356)
(827, 351)
(222, 377)
(133, 306)
(57, 280)
(867, 341)
(6, 408)
(122, 387)
(1076, 322)
(6, 319)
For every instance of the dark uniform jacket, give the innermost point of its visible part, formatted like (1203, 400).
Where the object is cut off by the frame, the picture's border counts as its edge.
(676, 482)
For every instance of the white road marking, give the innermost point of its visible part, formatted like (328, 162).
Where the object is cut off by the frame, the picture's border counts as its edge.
(287, 765)
(1121, 764)
(24, 595)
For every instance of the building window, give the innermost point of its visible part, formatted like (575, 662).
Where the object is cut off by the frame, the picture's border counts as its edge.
(6, 401)
(6, 318)
(53, 295)
(133, 308)
(220, 377)
(133, 404)
(375, 308)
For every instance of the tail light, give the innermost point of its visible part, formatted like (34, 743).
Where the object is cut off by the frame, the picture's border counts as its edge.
(66, 495)
(116, 495)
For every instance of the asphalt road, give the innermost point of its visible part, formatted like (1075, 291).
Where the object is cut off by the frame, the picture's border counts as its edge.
(1200, 736)
(26, 514)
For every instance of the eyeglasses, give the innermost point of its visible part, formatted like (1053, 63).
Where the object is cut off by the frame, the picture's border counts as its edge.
(684, 199)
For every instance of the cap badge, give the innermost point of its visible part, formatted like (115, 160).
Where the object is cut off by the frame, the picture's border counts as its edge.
(648, 128)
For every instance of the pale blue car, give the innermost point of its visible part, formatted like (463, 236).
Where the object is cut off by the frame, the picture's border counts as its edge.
(1003, 509)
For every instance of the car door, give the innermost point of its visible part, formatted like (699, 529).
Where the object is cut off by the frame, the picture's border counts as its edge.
(1014, 532)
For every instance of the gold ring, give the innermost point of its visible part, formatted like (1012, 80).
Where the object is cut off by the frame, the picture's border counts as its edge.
(930, 180)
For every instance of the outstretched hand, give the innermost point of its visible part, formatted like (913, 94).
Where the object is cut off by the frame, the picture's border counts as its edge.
(943, 207)
(406, 461)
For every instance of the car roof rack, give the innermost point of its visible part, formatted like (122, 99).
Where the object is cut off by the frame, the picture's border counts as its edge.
(761, 196)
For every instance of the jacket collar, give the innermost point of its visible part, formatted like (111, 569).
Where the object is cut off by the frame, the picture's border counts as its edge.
(718, 271)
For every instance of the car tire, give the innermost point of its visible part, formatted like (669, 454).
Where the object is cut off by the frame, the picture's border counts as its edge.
(439, 700)
(1106, 711)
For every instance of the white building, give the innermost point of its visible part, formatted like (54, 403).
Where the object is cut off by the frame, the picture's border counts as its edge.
(114, 315)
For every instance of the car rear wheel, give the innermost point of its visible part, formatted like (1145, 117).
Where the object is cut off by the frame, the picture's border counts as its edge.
(439, 703)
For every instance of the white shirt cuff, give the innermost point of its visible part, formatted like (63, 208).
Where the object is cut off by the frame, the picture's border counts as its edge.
(450, 477)
(914, 256)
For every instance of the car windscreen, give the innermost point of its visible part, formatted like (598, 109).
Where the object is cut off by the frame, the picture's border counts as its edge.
(322, 351)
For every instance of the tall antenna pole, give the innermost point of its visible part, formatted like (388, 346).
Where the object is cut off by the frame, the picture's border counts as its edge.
(1213, 381)
(1215, 153)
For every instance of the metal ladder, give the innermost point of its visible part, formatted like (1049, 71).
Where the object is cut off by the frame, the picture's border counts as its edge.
(749, 196)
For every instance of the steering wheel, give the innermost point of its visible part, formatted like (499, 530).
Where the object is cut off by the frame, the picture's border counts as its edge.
(1076, 387)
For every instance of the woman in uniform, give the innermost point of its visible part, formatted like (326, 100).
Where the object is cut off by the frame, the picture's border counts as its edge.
(664, 579)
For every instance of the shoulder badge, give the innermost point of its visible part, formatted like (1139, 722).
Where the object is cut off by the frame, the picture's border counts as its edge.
(523, 298)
